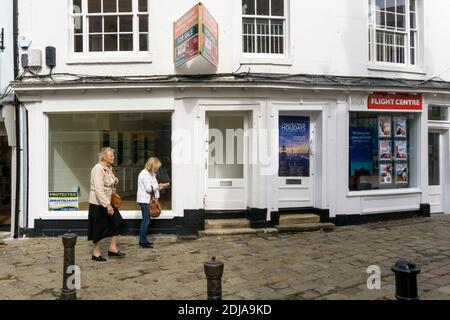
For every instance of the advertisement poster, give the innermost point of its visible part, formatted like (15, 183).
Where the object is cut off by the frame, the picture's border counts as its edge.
(361, 159)
(210, 36)
(294, 146)
(401, 152)
(186, 40)
(385, 174)
(384, 127)
(401, 173)
(385, 149)
(400, 127)
(63, 201)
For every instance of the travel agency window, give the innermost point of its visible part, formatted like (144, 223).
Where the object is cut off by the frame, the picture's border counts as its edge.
(383, 143)
(264, 28)
(75, 140)
(393, 32)
(115, 27)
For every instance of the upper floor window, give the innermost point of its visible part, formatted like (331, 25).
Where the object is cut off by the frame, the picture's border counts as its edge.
(110, 26)
(264, 26)
(393, 32)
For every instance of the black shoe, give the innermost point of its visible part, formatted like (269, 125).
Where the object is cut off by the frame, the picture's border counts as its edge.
(146, 245)
(117, 254)
(99, 258)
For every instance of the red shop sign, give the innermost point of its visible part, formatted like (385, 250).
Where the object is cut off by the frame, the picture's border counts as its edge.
(386, 101)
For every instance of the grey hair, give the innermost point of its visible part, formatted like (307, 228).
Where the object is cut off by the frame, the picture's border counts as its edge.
(103, 152)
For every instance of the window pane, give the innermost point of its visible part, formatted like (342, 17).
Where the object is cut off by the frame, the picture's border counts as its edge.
(126, 42)
(143, 5)
(412, 59)
(125, 6)
(109, 6)
(412, 21)
(278, 7)
(390, 5)
(94, 6)
(401, 21)
(433, 159)
(400, 6)
(277, 27)
(412, 5)
(78, 25)
(111, 24)
(380, 4)
(78, 43)
(95, 25)
(126, 24)
(143, 42)
(143, 23)
(75, 140)
(77, 6)
(381, 18)
(248, 39)
(95, 43)
(248, 6)
(263, 7)
(390, 20)
(110, 42)
(437, 113)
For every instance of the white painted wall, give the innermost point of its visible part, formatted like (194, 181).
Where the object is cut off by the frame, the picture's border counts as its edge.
(6, 57)
(325, 37)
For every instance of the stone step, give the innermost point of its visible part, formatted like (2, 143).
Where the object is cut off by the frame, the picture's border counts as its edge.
(211, 224)
(290, 219)
(327, 227)
(235, 231)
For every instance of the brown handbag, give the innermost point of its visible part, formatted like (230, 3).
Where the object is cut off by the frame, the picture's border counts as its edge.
(116, 201)
(154, 208)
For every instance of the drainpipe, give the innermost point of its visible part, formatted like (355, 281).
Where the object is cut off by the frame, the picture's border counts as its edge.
(17, 113)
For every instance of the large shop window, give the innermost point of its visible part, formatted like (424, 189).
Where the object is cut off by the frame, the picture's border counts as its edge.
(75, 140)
(382, 151)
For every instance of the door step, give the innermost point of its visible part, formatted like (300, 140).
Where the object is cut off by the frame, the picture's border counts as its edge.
(235, 231)
(304, 227)
(290, 219)
(212, 224)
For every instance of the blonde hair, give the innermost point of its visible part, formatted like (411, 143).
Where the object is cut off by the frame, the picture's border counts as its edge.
(103, 152)
(152, 165)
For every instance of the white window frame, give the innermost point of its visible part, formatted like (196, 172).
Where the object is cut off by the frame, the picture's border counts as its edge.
(372, 30)
(108, 56)
(267, 56)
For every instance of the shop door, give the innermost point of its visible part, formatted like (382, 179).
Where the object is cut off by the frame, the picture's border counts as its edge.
(295, 182)
(435, 171)
(226, 176)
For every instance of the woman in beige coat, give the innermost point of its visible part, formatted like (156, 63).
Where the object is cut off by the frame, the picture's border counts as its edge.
(104, 220)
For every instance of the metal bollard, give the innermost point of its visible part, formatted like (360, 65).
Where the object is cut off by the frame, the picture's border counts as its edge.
(406, 280)
(214, 272)
(69, 241)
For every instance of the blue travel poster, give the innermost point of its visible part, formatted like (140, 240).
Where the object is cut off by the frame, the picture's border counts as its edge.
(361, 161)
(294, 146)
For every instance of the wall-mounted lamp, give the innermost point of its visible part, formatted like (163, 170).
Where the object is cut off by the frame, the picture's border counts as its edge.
(2, 40)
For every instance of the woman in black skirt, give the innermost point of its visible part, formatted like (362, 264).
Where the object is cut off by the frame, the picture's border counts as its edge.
(104, 220)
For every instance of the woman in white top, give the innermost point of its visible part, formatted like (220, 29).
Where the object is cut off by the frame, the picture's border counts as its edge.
(147, 184)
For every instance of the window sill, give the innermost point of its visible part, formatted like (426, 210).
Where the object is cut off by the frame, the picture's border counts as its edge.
(110, 60)
(383, 192)
(390, 68)
(273, 61)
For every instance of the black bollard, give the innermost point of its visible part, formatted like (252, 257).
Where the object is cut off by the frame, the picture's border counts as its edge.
(69, 241)
(406, 280)
(214, 272)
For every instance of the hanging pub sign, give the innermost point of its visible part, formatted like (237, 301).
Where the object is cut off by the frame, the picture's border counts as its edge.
(196, 34)
(387, 101)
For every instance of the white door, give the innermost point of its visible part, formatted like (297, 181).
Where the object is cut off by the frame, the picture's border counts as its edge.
(226, 150)
(435, 171)
(296, 158)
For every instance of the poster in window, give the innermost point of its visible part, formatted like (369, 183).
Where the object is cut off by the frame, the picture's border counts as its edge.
(361, 159)
(384, 127)
(401, 152)
(401, 173)
(385, 174)
(400, 127)
(294, 146)
(385, 148)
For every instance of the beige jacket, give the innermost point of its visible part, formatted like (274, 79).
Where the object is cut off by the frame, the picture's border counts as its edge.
(103, 182)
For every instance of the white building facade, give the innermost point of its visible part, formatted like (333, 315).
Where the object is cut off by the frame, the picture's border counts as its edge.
(333, 107)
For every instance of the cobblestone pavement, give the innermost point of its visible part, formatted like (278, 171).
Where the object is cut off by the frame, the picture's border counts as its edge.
(314, 265)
